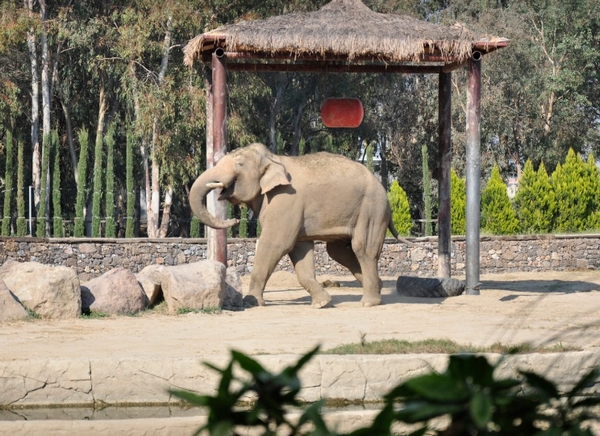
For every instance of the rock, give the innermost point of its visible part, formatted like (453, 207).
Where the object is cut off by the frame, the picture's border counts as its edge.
(199, 285)
(150, 279)
(115, 292)
(233, 291)
(10, 308)
(49, 291)
(429, 287)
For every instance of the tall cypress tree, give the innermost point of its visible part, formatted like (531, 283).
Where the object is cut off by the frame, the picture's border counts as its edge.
(458, 204)
(79, 230)
(111, 227)
(8, 186)
(43, 212)
(59, 231)
(97, 194)
(21, 221)
(498, 215)
(400, 209)
(535, 201)
(129, 187)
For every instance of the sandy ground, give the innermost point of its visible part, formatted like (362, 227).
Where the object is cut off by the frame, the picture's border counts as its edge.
(544, 308)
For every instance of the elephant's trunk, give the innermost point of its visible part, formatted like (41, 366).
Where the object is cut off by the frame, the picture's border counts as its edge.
(200, 189)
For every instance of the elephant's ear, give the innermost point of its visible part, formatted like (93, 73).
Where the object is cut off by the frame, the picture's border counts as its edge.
(274, 175)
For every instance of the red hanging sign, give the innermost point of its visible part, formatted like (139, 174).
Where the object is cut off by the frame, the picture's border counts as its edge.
(342, 112)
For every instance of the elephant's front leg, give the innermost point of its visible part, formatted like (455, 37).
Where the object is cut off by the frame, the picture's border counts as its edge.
(269, 251)
(303, 258)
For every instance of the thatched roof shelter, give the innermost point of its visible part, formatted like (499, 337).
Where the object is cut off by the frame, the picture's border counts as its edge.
(340, 32)
(346, 36)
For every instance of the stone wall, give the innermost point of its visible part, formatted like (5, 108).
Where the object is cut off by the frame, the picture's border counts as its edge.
(93, 257)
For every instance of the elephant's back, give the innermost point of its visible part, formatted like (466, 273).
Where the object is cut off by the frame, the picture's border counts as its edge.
(325, 165)
(332, 176)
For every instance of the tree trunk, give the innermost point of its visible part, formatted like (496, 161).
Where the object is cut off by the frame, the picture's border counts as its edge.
(153, 195)
(282, 84)
(97, 194)
(35, 111)
(46, 96)
(166, 217)
(70, 143)
(156, 230)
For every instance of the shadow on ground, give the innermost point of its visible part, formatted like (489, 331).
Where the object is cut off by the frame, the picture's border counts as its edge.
(541, 286)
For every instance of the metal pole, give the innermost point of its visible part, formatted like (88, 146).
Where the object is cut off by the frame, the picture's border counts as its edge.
(445, 160)
(473, 170)
(30, 212)
(217, 238)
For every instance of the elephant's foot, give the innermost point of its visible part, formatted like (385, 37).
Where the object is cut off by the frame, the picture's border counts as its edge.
(253, 301)
(370, 301)
(321, 300)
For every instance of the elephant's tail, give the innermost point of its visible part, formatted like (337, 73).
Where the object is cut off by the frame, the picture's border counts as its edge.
(395, 233)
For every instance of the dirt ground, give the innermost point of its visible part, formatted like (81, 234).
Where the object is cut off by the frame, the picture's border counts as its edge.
(543, 308)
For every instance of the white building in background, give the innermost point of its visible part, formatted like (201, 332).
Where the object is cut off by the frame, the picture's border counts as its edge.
(511, 187)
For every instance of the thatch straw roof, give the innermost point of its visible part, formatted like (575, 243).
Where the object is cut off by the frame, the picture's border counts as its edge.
(344, 29)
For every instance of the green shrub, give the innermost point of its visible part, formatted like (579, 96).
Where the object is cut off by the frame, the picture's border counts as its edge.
(576, 186)
(400, 209)
(535, 201)
(458, 204)
(498, 216)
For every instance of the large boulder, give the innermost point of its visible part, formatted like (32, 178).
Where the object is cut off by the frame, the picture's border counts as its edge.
(49, 291)
(429, 287)
(115, 292)
(10, 308)
(150, 279)
(199, 285)
(233, 291)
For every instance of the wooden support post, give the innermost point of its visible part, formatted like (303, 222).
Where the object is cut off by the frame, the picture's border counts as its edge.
(216, 147)
(473, 170)
(445, 162)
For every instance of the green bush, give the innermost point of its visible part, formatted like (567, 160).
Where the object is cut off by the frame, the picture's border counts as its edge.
(576, 186)
(400, 209)
(498, 217)
(458, 204)
(535, 201)
(477, 402)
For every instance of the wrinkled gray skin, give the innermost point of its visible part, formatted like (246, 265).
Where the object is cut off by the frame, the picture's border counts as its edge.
(298, 200)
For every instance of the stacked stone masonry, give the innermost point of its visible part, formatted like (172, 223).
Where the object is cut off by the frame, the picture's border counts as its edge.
(93, 257)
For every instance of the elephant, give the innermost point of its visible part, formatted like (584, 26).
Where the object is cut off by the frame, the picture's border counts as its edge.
(299, 200)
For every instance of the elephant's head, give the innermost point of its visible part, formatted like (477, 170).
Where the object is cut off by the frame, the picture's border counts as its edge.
(242, 176)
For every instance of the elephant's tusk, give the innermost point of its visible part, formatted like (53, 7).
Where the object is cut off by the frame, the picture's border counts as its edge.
(215, 185)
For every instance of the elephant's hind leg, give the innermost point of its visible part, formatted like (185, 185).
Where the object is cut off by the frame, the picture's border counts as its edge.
(341, 252)
(303, 258)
